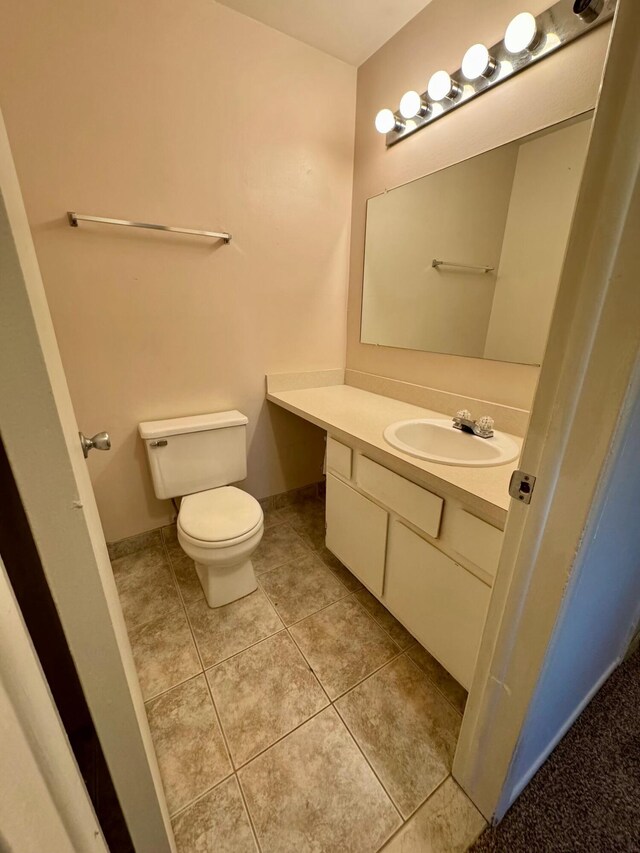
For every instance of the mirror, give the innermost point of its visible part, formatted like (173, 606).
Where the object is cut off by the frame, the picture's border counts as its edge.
(467, 260)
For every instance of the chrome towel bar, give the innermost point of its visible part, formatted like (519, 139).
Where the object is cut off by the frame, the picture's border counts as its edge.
(435, 264)
(74, 218)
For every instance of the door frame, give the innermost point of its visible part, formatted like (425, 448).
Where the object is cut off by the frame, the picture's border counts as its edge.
(581, 401)
(40, 434)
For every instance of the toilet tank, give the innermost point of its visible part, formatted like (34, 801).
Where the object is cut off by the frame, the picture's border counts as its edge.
(188, 455)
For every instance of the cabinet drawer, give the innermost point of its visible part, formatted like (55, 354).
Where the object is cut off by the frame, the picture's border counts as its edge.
(412, 502)
(476, 540)
(339, 458)
(442, 604)
(356, 533)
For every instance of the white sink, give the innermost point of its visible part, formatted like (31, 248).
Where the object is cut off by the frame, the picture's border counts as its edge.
(436, 440)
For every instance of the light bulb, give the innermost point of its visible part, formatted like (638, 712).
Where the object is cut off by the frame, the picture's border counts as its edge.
(386, 121)
(522, 33)
(411, 105)
(441, 86)
(478, 62)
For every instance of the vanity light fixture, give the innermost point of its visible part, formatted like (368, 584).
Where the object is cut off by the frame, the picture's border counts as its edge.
(412, 104)
(478, 62)
(522, 33)
(386, 121)
(527, 39)
(441, 86)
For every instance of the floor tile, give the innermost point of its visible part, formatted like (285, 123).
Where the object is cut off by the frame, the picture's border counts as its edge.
(262, 694)
(279, 544)
(146, 592)
(339, 570)
(139, 560)
(446, 684)
(343, 644)
(139, 542)
(187, 578)
(447, 823)
(313, 791)
(188, 742)
(386, 620)
(217, 823)
(301, 587)
(223, 631)
(170, 534)
(164, 653)
(271, 517)
(406, 728)
(307, 518)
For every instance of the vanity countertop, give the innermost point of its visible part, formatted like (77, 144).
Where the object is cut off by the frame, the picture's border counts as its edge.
(360, 417)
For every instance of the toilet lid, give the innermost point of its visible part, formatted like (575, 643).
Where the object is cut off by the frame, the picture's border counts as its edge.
(219, 514)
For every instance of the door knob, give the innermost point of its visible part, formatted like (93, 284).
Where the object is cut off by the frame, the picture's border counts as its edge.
(99, 441)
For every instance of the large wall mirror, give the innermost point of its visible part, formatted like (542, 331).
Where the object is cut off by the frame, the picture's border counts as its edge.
(467, 260)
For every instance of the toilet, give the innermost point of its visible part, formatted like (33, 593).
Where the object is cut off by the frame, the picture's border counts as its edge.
(219, 526)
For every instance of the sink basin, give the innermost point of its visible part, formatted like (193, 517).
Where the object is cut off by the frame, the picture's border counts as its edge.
(436, 440)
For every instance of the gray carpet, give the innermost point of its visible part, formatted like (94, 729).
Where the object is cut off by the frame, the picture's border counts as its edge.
(586, 797)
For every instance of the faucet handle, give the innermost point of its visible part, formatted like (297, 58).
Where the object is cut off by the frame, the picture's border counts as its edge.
(485, 423)
(464, 415)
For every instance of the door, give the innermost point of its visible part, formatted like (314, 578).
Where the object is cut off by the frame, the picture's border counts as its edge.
(41, 440)
(581, 409)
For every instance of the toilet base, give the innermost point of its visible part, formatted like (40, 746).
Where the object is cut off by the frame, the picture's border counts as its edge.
(224, 584)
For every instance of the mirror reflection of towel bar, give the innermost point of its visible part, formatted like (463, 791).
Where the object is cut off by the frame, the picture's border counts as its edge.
(435, 264)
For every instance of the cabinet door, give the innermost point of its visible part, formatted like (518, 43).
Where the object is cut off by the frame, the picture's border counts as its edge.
(441, 603)
(357, 533)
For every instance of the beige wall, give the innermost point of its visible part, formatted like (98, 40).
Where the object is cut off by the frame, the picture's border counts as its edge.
(545, 189)
(185, 113)
(561, 86)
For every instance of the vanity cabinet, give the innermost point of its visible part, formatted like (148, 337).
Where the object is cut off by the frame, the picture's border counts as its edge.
(357, 533)
(441, 603)
(428, 559)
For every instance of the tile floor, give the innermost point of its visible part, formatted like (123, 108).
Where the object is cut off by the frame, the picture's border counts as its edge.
(303, 717)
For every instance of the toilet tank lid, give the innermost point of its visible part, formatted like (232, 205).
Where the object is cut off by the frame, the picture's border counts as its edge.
(195, 423)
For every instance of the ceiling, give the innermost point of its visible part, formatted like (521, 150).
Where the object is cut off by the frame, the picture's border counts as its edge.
(351, 30)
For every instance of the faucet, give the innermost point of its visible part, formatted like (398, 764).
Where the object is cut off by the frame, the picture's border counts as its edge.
(483, 427)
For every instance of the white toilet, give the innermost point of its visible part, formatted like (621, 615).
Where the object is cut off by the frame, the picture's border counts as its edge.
(219, 526)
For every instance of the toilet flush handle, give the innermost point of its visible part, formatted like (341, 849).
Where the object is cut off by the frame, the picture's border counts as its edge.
(162, 442)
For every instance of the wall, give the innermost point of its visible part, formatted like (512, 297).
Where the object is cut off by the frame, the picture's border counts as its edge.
(407, 302)
(544, 195)
(561, 86)
(188, 114)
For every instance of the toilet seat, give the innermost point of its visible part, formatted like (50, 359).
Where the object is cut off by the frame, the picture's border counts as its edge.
(219, 518)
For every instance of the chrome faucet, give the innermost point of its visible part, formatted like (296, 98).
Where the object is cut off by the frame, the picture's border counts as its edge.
(483, 427)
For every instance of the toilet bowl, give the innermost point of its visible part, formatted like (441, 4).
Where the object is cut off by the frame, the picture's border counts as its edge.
(220, 529)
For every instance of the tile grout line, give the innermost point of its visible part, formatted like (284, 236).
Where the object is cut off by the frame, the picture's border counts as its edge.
(432, 682)
(397, 832)
(370, 766)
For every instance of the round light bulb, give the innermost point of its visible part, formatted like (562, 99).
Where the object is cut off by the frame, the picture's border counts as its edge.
(386, 121)
(411, 105)
(441, 86)
(478, 62)
(521, 33)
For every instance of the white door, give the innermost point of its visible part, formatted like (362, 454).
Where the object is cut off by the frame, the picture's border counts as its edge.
(41, 439)
(582, 409)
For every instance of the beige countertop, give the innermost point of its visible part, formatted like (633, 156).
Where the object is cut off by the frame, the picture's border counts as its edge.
(359, 418)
